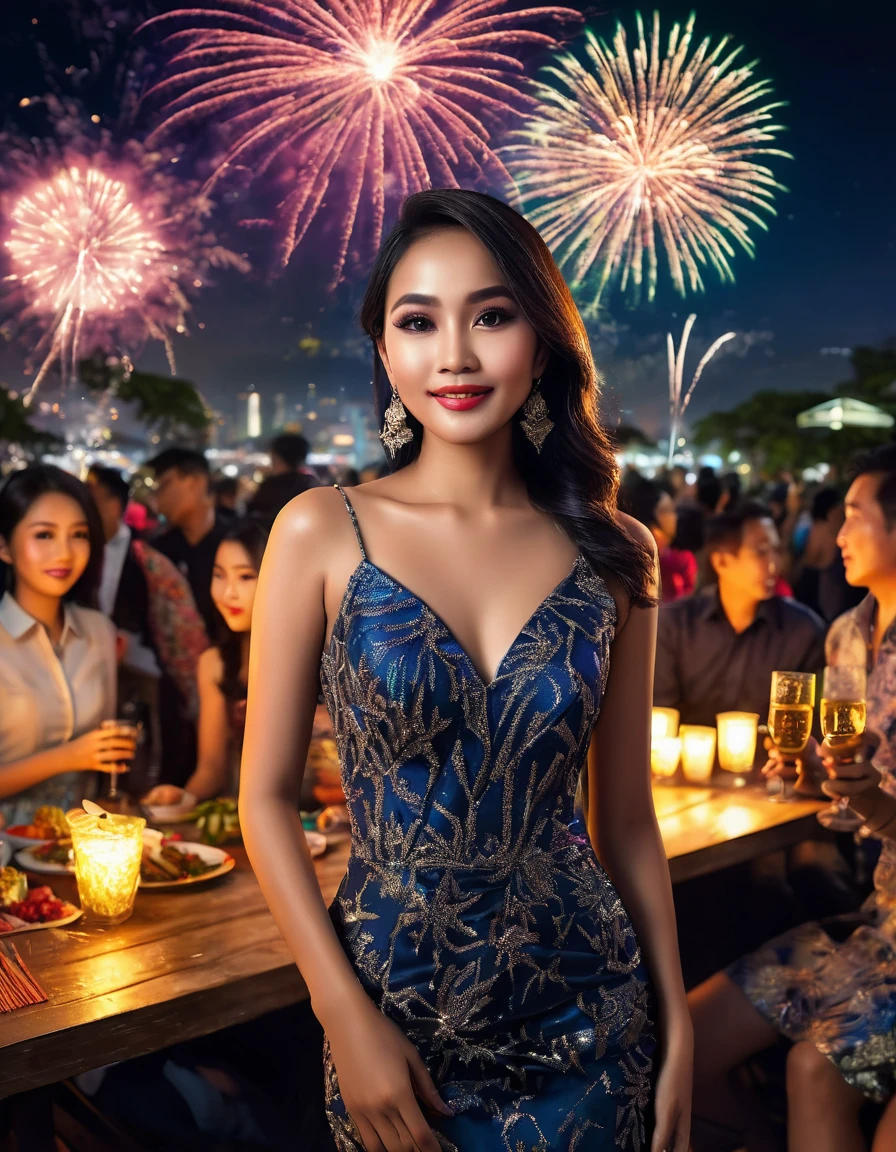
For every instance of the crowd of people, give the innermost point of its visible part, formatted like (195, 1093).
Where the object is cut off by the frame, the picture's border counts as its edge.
(96, 612)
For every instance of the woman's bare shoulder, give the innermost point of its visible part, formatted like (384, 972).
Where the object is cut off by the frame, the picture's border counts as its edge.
(638, 531)
(210, 665)
(313, 511)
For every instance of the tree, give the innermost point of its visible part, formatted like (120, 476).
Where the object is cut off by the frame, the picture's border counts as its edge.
(171, 407)
(16, 428)
(763, 430)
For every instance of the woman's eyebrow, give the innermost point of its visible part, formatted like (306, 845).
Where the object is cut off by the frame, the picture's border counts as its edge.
(431, 301)
(53, 524)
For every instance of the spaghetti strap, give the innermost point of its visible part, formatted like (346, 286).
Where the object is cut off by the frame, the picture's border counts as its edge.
(351, 513)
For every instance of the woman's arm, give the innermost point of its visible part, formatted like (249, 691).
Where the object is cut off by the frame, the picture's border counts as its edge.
(100, 750)
(627, 841)
(210, 777)
(377, 1066)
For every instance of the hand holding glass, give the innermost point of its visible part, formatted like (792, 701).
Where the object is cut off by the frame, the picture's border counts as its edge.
(790, 717)
(128, 733)
(843, 726)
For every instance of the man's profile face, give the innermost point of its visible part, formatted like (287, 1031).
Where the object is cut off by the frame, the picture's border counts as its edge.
(176, 493)
(867, 542)
(753, 569)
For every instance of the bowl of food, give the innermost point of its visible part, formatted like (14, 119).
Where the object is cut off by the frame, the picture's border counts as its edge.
(47, 825)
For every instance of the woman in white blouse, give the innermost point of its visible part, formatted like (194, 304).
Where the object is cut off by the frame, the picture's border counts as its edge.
(57, 655)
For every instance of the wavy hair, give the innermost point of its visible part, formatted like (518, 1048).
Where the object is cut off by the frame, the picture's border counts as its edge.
(574, 479)
(17, 495)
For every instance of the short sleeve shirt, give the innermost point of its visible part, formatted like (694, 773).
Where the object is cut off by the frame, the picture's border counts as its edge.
(51, 695)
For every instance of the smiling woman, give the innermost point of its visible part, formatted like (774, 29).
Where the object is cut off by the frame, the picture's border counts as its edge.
(485, 978)
(57, 655)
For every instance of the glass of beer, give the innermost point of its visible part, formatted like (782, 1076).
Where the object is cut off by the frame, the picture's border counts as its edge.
(790, 719)
(843, 725)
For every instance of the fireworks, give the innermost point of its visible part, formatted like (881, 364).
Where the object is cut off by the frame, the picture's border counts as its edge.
(379, 97)
(633, 147)
(678, 403)
(101, 253)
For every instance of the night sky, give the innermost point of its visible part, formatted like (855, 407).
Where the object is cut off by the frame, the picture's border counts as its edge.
(822, 278)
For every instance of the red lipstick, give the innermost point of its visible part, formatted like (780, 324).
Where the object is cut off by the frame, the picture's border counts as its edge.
(461, 397)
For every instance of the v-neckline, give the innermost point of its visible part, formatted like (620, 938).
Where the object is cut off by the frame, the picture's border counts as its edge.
(486, 685)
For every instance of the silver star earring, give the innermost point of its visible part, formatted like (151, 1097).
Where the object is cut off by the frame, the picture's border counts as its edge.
(536, 422)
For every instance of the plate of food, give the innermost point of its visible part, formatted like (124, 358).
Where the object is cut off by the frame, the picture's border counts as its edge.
(51, 859)
(24, 909)
(168, 864)
(173, 806)
(48, 824)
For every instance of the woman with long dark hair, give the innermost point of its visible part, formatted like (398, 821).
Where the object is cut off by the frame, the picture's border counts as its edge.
(222, 670)
(57, 653)
(484, 621)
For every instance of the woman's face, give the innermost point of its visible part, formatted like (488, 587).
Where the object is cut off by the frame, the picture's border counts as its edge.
(455, 344)
(234, 580)
(50, 546)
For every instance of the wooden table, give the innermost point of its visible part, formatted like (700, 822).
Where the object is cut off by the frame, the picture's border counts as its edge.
(706, 829)
(189, 963)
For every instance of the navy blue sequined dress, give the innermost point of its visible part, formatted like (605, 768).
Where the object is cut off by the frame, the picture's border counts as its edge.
(473, 909)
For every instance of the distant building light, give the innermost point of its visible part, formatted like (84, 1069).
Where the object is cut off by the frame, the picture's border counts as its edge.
(343, 440)
(230, 470)
(690, 478)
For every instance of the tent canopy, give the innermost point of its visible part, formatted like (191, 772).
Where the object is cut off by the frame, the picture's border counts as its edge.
(844, 412)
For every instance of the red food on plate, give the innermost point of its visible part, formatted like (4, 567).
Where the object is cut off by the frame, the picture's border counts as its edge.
(40, 906)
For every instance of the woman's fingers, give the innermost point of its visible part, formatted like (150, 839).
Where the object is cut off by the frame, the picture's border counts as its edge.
(369, 1138)
(424, 1083)
(410, 1123)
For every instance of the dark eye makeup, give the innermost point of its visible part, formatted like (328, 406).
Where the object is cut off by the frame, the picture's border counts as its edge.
(407, 322)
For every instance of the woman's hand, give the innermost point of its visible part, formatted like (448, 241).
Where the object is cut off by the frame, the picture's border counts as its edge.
(101, 750)
(165, 795)
(674, 1089)
(381, 1075)
(849, 774)
(809, 768)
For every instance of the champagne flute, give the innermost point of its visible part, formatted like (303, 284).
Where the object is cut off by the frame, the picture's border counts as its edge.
(843, 725)
(790, 719)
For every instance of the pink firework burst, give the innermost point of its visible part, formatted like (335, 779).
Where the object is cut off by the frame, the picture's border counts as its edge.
(101, 254)
(387, 96)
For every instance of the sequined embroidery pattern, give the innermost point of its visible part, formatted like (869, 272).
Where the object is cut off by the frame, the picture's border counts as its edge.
(474, 909)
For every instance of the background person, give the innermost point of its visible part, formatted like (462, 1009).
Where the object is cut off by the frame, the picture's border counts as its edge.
(652, 505)
(183, 496)
(223, 669)
(57, 653)
(151, 604)
(829, 987)
(290, 477)
(716, 651)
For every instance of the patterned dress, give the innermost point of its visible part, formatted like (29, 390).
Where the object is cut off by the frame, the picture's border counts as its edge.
(834, 984)
(474, 910)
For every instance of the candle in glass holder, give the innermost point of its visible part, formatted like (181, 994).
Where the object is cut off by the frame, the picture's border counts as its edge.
(737, 743)
(663, 722)
(698, 752)
(107, 851)
(664, 756)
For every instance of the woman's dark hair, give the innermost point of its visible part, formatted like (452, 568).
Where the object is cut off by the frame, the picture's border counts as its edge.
(639, 498)
(575, 478)
(18, 494)
(253, 536)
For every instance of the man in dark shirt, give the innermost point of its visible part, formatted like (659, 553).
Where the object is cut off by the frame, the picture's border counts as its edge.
(716, 651)
(184, 498)
(289, 477)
